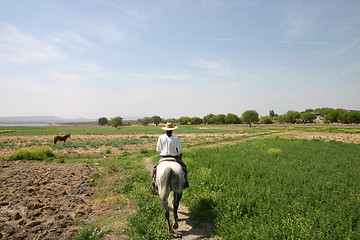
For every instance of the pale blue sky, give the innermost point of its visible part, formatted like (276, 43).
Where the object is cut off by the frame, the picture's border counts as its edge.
(107, 58)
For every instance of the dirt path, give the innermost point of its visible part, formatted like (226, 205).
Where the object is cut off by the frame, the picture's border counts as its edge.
(187, 228)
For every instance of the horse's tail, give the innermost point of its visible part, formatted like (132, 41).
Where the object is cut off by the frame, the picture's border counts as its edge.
(175, 182)
(55, 140)
(170, 179)
(165, 183)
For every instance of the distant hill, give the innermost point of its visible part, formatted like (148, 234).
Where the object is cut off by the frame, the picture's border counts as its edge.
(42, 120)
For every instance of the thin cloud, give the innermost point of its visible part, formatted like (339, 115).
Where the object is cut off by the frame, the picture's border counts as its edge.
(132, 14)
(315, 43)
(72, 40)
(21, 48)
(214, 67)
(108, 32)
(276, 41)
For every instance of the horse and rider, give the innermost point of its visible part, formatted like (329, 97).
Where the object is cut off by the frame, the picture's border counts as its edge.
(170, 149)
(170, 173)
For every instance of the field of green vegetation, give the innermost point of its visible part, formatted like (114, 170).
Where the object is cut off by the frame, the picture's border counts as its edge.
(61, 130)
(263, 188)
(30, 131)
(278, 189)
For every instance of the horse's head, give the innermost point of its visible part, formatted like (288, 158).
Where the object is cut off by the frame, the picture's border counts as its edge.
(69, 135)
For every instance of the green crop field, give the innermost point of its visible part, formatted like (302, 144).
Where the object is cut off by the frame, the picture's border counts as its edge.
(278, 189)
(97, 130)
(61, 130)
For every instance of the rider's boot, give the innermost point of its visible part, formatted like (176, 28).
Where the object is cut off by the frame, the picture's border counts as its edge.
(186, 185)
(153, 185)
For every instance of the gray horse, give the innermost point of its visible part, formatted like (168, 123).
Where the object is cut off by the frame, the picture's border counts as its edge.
(170, 177)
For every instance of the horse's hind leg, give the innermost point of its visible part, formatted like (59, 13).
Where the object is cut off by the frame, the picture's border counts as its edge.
(176, 202)
(164, 202)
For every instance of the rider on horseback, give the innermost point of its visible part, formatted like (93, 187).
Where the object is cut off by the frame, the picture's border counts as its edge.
(169, 147)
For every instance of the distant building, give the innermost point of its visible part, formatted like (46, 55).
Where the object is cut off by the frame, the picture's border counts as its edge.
(319, 119)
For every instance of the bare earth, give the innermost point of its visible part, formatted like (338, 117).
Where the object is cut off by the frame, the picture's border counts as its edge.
(41, 200)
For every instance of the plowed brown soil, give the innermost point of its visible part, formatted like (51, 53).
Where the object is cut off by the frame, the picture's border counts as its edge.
(43, 200)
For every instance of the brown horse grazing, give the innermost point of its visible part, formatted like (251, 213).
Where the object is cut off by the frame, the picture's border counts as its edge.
(61, 138)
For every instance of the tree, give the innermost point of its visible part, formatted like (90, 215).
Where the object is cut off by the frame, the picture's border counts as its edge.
(350, 117)
(196, 120)
(324, 111)
(332, 117)
(280, 118)
(340, 110)
(116, 122)
(231, 118)
(218, 119)
(103, 121)
(184, 120)
(173, 120)
(207, 118)
(292, 116)
(271, 113)
(307, 117)
(250, 116)
(145, 121)
(156, 120)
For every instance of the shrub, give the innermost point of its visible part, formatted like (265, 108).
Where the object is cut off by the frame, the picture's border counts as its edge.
(38, 153)
(108, 150)
(266, 120)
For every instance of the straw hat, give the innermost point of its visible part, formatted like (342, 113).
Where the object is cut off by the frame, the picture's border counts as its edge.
(169, 127)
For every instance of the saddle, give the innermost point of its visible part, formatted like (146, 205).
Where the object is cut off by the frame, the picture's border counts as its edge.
(167, 159)
(172, 159)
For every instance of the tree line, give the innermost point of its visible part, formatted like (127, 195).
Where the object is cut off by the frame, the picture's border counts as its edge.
(327, 115)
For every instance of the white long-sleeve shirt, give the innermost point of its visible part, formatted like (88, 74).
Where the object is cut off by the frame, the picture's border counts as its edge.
(168, 145)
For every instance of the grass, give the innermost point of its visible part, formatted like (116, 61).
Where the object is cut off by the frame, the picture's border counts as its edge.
(124, 185)
(341, 129)
(89, 233)
(148, 221)
(6, 131)
(37, 153)
(277, 189)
